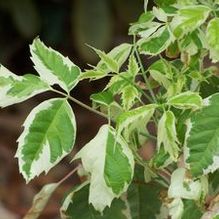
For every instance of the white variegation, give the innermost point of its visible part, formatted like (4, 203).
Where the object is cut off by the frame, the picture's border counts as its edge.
(186, 151)
(183, 187)
(45, 73)
(160, 14)
(127, 118)
(189, 18)
(43, 163)
(185, 100)
(93, 159)
(176, 208)
(167, 135)
(212, 167)
(154, 36)
(148, 32)
(5, 98)
(68, 199)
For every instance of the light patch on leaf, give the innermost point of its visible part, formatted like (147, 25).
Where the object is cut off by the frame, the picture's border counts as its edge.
(167, 135)
(127, 118)
(202, 140)
(111, 165)
(183, 187)
(160, 14)
(186, 152)
(176, 208)
(188, 19)
(186, 100)
(214, 166)
(213, 39)
(129, 96)
(157, 42)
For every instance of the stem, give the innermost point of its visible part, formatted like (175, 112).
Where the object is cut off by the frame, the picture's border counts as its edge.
(80, 103)
(68, 175)
(143, 71)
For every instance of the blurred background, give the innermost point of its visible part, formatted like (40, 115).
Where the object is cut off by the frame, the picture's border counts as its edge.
(65, 25)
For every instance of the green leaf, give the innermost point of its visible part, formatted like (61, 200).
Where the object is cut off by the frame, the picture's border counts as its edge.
(161, 71)
(111, 165)
(188, 19)
(202, 147)
(119, 54)
(48, 136)
(143, 23)
(129, 96)
(191, 210)
(40, 201)
(133, 67)
(104, 98)
(160, 159)
(118, 82)
(15, 89)
(106, 59)
(186, 100)
(76, 206)
(165, 3)
(92, 75)
(167, 136)
(140, 113)
(144, 200)
(53, 67)
(213, 39)
(157, 42)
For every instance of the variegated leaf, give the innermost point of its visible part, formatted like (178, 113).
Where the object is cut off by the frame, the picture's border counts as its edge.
(167, 135)
(188, 19)
(53, 67)
(48, 136)
(186, 100)
(157, 42)
(202, 138)
(111, 165)
(140, 113)
(15, 89)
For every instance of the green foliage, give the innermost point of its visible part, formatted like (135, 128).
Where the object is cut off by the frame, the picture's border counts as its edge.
(157, 156)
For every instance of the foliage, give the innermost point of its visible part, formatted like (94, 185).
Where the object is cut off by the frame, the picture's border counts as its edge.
(172, 95)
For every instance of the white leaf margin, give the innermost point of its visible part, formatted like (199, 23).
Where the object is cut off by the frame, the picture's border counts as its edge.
(43, 164)
(93, 160)
(7, 100)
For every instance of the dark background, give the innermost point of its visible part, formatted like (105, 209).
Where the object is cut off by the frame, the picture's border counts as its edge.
(66, 26)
